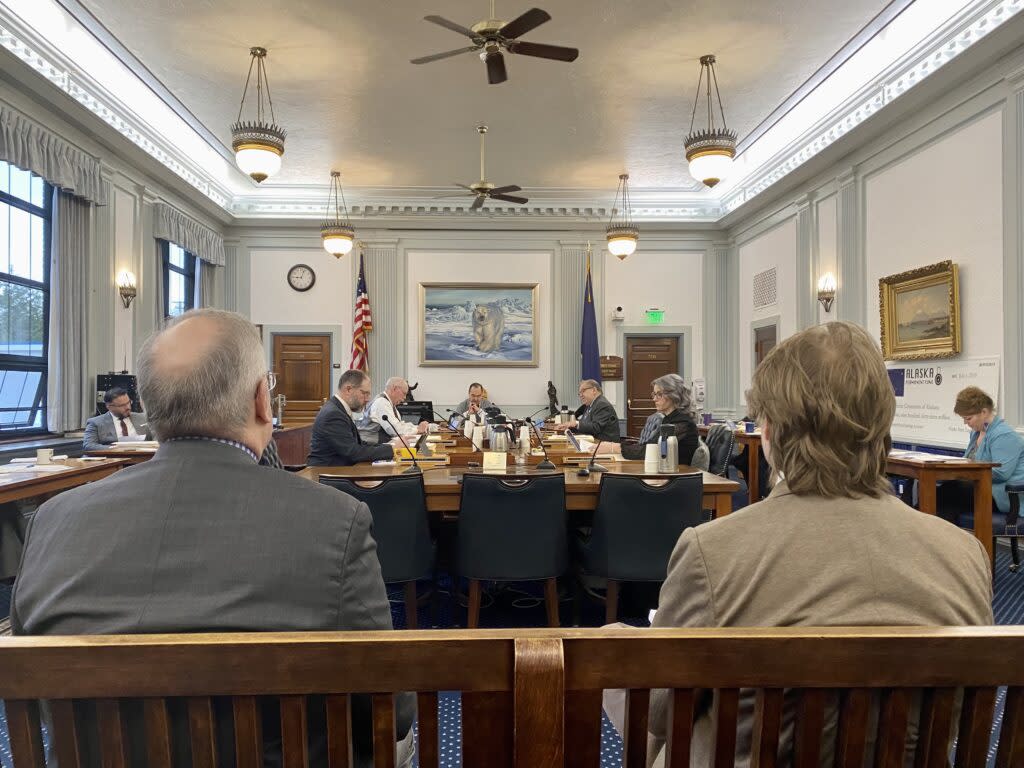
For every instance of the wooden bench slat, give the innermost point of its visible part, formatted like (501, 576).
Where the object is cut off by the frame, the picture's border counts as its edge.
(810, 720)
(854, 714)
(724, 714)
(634, 740)
(893, 718)
(679, 728)
(975, 729)
(294, 745)
(583, 729)
(201, 732)
(935, 728)
(339, 731)
(1011, 734)
(248, 730)
(428, 735)
(539, 701)
(64, 734)
(383, 730)
(767, 726)
(158, 733)
(24, 733)
(113, 739)
(487, 729)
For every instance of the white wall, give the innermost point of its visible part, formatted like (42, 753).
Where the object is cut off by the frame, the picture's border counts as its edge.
(944, 202)
(274, 302)
(671, 280)
(775, 248)
(506, 386)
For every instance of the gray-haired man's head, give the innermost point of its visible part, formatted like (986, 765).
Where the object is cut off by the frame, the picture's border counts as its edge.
(205, 375)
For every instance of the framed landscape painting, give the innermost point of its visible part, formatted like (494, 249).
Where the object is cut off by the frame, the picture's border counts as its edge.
(920, 313)
(478, 324)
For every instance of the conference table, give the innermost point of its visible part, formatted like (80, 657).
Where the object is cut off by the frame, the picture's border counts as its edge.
(443, 488)
(928, 469)
(17, 484)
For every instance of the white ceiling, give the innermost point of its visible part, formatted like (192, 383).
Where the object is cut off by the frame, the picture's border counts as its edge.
(345, 91)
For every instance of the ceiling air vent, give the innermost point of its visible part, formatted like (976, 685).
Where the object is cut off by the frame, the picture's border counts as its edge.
(764, 288)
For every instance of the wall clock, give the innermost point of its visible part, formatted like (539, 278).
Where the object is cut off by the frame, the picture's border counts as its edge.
(301, 277)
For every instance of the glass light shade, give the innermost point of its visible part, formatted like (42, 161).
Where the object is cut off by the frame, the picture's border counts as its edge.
(259, 162)
(827, 283)
(337, 245)
(711, 167)
(337, 237)
(126, 279)
(622, 244)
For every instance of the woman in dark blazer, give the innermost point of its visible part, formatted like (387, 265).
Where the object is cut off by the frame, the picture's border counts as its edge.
(672, 399)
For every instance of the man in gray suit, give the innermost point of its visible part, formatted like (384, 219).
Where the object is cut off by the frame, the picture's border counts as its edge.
(202, 538)
(106, 429)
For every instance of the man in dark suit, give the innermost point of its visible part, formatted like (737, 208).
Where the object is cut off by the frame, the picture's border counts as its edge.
(596, 417)
(336, 441)
(202, 538)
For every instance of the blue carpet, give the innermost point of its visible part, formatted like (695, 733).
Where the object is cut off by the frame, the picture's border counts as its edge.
(521, 606)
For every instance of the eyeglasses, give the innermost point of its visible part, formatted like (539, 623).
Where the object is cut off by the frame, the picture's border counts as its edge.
(585, 389)
(271, 381)
(656, 394)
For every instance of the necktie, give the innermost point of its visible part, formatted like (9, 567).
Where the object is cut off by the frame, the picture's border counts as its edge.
(124, 427)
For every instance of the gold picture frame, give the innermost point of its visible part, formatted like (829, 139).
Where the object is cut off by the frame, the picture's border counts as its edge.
(481, 325)
(920, 313)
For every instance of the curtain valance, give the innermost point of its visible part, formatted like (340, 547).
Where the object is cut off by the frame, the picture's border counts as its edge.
(198, 239)
(32, 147)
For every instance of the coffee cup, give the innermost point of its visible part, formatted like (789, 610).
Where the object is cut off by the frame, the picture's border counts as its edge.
(707, 419)
(44, 456)
(750, 426)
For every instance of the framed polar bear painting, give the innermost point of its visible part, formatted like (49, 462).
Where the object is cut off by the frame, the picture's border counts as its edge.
(478, 324)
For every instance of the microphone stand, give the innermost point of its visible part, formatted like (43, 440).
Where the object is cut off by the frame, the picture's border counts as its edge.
(412, 454)
(547, 463)
(591, 465)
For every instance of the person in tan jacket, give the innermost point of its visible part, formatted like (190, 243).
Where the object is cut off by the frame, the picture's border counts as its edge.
(831, 545)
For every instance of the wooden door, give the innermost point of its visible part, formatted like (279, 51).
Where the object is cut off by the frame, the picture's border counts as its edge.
(303, 368)
(765, 339)
(647, 358)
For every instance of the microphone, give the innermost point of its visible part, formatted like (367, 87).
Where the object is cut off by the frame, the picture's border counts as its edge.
(444, 421)
(547, 463)
(591, 465)
(415, 466)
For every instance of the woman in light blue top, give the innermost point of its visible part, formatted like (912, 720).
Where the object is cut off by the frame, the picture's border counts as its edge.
(992, 439)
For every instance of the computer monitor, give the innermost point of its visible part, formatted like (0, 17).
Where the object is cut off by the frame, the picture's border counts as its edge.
(572, 440)
(415, 411)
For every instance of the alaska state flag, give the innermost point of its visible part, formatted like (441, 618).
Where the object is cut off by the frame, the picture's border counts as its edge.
(588, 338)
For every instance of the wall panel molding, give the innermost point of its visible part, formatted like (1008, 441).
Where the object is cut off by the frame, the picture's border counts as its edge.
(806, 262)
(721, 327)
(1012, 405)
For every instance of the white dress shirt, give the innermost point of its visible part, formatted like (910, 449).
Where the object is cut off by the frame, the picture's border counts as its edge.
(382, 405)
(127, 421)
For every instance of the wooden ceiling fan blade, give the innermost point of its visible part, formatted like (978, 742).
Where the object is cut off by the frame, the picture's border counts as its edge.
(543, 51)
(504, 190)
(445, 55)
(530, 20)
(443, 22)
(477, 203)
(510, 198)
(496, 68)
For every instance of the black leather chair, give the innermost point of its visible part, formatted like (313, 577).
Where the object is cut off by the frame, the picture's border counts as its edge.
(400, 527)
(636, 527)
(1006, 526)
(720, 441)
(512, 529)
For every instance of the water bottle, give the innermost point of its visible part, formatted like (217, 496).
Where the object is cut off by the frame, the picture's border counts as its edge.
(668, 459)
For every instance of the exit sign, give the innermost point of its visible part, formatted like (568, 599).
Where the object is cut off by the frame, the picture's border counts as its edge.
(655, 316)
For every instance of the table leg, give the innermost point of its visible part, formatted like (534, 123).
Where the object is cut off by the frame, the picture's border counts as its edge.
(983, 515)
(723, 504)
(753, 472)
(926, 484)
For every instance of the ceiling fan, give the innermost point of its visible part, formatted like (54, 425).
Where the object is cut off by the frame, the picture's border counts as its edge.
(492, 36)
(482, 190)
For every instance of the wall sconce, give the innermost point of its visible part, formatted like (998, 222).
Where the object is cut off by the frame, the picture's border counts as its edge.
(126, 286)
(827, 290)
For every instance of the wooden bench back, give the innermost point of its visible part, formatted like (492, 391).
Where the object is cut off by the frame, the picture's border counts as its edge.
(530, 698)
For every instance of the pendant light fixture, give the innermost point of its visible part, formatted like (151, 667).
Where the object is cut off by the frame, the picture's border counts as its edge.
(710, 151)
(622, 234)
(337, 233)
(258, 144)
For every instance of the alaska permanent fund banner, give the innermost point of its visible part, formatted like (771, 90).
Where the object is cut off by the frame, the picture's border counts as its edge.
(926, 392)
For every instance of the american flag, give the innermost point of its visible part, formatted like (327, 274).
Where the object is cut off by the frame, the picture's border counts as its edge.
(361, 324)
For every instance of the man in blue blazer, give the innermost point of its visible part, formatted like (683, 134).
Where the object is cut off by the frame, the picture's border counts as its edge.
(336, 441)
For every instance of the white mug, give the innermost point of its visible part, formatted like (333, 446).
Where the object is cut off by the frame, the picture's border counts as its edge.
(44, 456)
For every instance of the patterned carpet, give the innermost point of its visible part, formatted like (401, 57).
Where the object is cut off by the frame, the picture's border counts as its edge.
(520, 606)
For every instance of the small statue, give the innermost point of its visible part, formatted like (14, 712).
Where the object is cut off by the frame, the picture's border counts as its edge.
(552, 399)
(408, 395)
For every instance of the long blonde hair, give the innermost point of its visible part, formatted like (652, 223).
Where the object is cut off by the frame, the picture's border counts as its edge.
(829, 404)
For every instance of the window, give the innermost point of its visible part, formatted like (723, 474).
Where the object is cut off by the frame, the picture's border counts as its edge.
(25, 214)
(179, 280)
